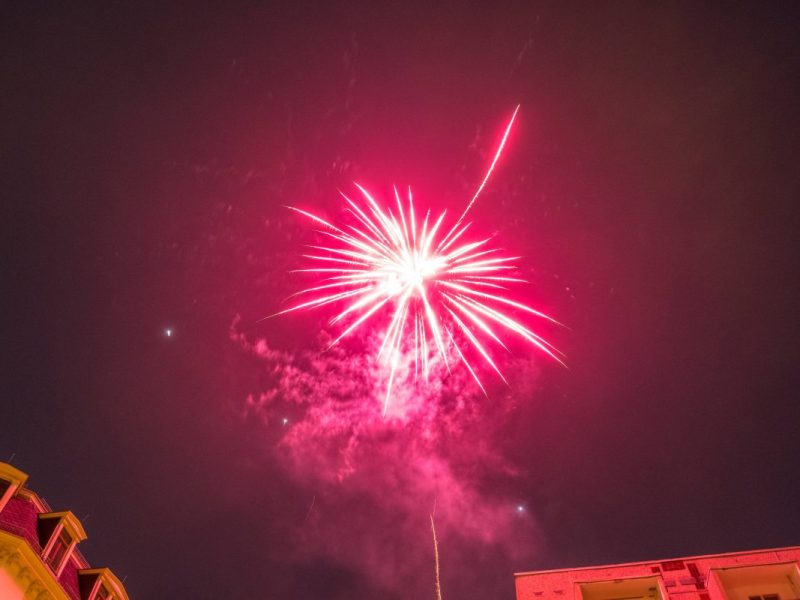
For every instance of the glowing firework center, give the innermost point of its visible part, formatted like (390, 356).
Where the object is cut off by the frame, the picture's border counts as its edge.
(438, 292)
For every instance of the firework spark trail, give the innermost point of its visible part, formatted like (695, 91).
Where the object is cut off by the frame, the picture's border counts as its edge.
(436, 560)
(442, 292)
(488, 173)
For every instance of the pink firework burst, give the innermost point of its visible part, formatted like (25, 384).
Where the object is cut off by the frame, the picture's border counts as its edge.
(437, 294)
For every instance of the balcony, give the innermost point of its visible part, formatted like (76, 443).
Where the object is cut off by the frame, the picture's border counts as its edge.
(637, 588)
(757, 582)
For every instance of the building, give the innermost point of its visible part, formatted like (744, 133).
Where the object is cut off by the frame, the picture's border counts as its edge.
(39, 558)
(756, 575)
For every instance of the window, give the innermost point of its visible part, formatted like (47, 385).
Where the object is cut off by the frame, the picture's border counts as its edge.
(59, 533)
(11, 481)
(58, 550)
(765, 597)
(100, 584)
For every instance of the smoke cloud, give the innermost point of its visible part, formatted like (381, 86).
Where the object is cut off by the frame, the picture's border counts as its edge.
(375, 480)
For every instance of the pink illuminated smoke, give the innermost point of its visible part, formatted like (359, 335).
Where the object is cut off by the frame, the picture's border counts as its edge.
(435, 299)
(370, 483)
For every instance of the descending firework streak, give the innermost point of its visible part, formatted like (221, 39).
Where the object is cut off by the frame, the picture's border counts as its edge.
(438, 294)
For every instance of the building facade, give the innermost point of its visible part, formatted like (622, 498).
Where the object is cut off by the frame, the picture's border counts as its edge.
(755, 575)
(39, 556)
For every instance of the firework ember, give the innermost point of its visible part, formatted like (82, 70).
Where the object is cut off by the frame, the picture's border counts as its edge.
(441, 297)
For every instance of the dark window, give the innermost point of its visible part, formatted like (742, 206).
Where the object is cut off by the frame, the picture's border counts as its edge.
(102, 593)
(59, 550)
(772, 597)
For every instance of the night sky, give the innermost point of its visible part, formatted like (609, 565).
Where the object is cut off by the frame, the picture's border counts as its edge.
(651, 185)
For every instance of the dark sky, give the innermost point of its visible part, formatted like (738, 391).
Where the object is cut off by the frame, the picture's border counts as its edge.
(651, 185)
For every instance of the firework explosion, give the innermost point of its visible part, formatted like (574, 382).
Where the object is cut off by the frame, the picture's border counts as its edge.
(444, 296)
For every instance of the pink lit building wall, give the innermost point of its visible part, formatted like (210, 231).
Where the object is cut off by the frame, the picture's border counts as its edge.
(753, 575)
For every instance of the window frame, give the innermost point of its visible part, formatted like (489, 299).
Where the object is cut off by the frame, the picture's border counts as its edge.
(14, 478)
(67, 524)
(104, 578)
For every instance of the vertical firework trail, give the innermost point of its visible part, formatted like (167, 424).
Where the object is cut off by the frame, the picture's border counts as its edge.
(442, 297)
(436, 560)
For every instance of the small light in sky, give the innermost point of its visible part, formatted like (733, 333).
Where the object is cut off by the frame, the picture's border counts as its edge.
(285, 421)
(520, 508)
(168, 332)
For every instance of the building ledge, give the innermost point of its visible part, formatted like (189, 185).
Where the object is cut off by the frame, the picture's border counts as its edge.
(26, 568)
(656, 561)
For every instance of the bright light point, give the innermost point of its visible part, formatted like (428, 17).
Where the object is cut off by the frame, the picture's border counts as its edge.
(520, 508)
(168, 332)
(285, 421)
(392, 285)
